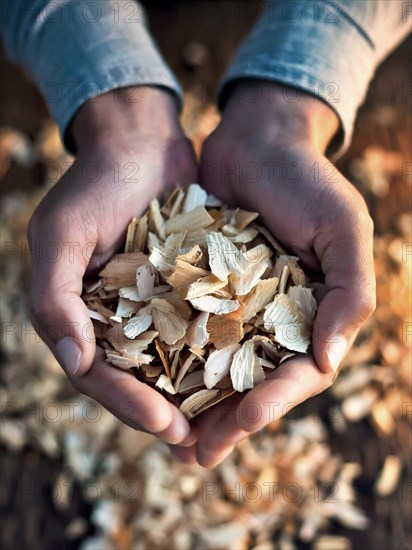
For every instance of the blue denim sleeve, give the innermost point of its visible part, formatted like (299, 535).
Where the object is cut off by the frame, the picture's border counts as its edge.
(328, 49)
(78, 50)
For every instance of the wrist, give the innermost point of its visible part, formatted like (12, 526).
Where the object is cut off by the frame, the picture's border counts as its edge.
(125, 114)
(286, 115)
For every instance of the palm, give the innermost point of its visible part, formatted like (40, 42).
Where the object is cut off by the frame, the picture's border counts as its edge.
(307, 206)
(90, 209)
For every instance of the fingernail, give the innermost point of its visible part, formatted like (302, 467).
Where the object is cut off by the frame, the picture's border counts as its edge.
(336, 351)
(190, 440)
(70, 354)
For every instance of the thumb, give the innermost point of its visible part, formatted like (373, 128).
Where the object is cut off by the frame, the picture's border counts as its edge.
(58, 313)
(347, 262)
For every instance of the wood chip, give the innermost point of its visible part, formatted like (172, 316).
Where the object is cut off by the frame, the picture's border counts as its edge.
(170, 326)
(137, 325)
(157, 222)
(191, 381)
(184, 275)
(242, 218)
(195, 197)
(215, 305)
(203, 400)
(389, 478)
(203, 286)
(259, 297)
(145, 281)
(197, 335)
(193, 256)
(246, 370)
(283, 318)
(224, 331)
(164, 383)
(224, 257)
(218, 365)
(199, 218)
(297, 274)
(120, 271)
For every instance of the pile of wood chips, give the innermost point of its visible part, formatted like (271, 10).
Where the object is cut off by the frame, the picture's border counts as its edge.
(202, 303)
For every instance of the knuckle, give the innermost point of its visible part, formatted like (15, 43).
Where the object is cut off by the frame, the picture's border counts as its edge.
(366, 304)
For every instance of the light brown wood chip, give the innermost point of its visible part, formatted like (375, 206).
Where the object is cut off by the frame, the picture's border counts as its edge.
(199, 218)
(170, 326)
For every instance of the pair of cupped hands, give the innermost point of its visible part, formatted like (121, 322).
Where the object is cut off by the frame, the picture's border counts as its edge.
(266, 155)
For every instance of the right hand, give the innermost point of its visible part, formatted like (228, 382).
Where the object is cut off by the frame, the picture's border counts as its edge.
(127, 154)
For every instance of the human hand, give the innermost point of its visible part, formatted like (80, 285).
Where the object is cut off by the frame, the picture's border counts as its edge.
(128, 152)
(267, 155)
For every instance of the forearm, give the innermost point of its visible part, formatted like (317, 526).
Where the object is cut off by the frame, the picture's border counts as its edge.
(326, 49)
(76, 51)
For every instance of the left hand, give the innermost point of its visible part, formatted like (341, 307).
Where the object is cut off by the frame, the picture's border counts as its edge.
(268, 156)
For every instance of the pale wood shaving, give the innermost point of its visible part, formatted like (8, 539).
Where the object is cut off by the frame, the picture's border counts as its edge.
(156, 219)
(242, 218)
(183, 370)
(224, 257)
(241, 285)
(218, 365)
(259, 297)
(284, 318)
(98, 316)
(197, 335)
(137, 325)
(191, 381)
(164, 383)
(126, 308)
(167, 321)
(215, 305)
(237, 236)
(195, 196)
(199, 217)
(145, 279)
(173, 202)
(120, 271)
(193, 256)
(205, 285)
(184, 275)
(246, 370)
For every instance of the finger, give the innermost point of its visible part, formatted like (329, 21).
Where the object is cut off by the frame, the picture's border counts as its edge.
(346, 254)
(169, 435)
(184, 455)
(59, 259)
(131, 401)
(289, 385)
(213, 456)
(219, 432)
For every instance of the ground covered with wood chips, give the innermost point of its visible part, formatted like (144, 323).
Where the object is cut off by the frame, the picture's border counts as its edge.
(334, 474)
